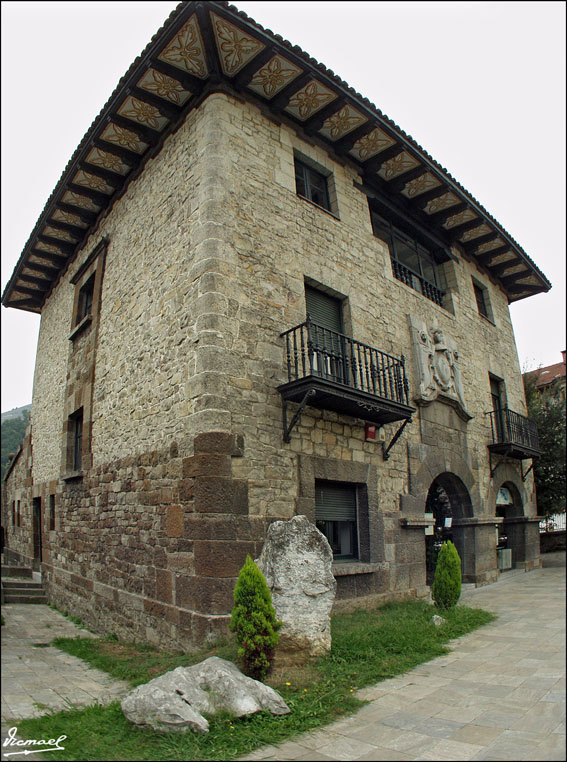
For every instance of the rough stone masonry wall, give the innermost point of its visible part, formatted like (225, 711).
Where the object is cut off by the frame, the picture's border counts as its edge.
(150, 540)
(208, 251)
(279, 240)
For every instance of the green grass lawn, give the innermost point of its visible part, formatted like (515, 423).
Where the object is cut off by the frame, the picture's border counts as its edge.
(368, 646)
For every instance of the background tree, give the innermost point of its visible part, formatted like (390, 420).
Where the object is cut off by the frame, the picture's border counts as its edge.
(548, 413)
(13, 430)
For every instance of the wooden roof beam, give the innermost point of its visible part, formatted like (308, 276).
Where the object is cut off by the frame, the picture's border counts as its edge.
(471, 246)
(344, 145)
(188, 81)
(64, 246)
(280, 101)
(210, 44)
(30, 305)
(74, 230)
(503, 266)
(421, 201)
(439, 218)
(511, 280)
(485, 258)
(399, 182)
(246, 74)
(101, 199)
(372, 166)
(166, 108)
(49, 272)
(87, 217)
(32, 279)
(33, 292)
(315, 122)
(113, 179)
(149, 136)
(521, 288)
(57, 260)
(457, 231)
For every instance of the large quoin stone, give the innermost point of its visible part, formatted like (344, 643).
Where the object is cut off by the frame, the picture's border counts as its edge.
(296, 561)
(176, 700)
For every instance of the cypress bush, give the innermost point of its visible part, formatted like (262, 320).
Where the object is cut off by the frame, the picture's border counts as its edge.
(254, 622)
(446, 588)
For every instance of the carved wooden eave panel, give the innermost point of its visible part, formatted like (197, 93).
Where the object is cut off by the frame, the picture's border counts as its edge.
(206, 46)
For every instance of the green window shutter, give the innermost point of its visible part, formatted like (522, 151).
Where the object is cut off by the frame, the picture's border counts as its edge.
(323, 309)
(335, 502)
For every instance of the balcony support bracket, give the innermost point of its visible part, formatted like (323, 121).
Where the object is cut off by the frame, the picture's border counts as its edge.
(499, 463)
(525, 475)
(397, 435)
(296, 417)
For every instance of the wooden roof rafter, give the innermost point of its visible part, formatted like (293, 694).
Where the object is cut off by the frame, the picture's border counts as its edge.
(343, 119)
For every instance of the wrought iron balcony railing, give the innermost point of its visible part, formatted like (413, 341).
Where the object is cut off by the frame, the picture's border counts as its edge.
(513, 434)
(312, 350)
(329, 370)
(415, 281)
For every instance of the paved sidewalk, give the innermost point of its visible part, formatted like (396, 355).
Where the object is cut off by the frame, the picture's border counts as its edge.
(37, 678)
(499, 694)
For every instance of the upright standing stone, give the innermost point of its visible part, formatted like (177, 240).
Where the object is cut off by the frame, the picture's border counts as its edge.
(296, 562)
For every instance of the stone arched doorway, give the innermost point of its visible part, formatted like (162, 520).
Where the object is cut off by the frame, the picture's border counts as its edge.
(511, 534)
(449, 501)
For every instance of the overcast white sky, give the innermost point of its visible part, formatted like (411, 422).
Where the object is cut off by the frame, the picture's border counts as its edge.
(480, 85)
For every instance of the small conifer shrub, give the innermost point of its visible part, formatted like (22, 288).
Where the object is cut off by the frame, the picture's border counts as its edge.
(254, 622)
(446, 588)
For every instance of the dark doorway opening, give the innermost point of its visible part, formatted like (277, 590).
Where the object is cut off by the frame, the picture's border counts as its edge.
(449, 502)
(37, 539)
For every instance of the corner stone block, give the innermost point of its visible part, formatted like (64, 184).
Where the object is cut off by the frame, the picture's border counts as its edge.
(164, 586)
(174, 521)
(207, 464)
(221, 442)
(205, 595)
(221, 559)
(221, 495)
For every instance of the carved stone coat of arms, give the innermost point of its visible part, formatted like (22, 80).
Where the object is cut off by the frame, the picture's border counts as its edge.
(438, 367)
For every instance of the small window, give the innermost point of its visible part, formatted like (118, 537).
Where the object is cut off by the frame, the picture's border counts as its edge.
(412, 263)
(336, 517)
(52, 512)
(76, 432)
(482, 300)
(324, 309)
(18, 514)
(312, 185)
(13, 513)
(85, 304)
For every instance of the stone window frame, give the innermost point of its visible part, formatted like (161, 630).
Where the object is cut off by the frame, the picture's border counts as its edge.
(434, 289)
(73, 467)
(354, 489)
(51, 513)
(369, 521)
(482, 300)
(88, 288)
(324, 173)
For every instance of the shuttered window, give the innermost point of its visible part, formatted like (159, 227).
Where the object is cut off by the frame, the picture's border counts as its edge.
(335, 516)
(323, 309)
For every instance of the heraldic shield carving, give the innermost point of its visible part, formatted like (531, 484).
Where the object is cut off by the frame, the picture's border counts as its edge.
(438, 367)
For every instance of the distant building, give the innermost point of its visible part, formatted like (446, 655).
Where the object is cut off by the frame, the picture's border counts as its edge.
(550, 381)
(259, 298)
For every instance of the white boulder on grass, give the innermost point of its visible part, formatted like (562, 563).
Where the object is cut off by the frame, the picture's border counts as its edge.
(296, 562)
(175, 701)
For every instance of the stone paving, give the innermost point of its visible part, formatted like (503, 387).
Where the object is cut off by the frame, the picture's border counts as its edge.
(498, 695)
(37, 678)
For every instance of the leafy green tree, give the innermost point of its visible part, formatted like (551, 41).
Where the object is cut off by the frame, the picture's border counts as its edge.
(548, 413)
(446, 588)
(254, 621)
(13, 431)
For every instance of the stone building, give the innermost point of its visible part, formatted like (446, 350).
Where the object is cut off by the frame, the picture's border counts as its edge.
(260, 297)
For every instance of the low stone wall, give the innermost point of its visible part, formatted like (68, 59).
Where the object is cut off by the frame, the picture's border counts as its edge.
(551, 541)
